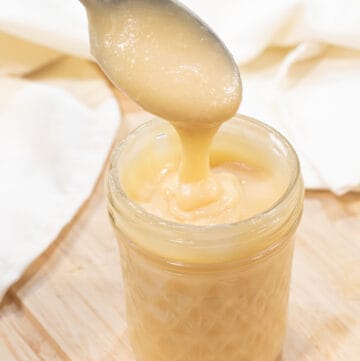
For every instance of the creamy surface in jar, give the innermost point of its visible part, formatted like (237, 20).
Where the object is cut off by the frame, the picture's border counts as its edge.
(243, 183)
(175, 67)
(234, 192)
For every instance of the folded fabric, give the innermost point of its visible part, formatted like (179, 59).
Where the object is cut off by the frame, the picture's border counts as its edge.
(314, 103)
(52, 148)
(58, 119)
(249, 27)
(57, 24)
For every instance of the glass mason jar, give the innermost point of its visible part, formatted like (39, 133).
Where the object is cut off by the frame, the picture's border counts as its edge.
(206, 293)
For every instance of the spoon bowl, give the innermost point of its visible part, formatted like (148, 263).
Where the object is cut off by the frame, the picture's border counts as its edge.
(166, 59)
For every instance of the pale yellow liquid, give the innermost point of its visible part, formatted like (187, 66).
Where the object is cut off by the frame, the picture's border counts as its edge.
(175, 67)
(237, 189)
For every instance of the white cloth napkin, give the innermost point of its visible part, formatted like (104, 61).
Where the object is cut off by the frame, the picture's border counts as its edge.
(300, 64)
(56, 24)
(58, 120)
(52, 149)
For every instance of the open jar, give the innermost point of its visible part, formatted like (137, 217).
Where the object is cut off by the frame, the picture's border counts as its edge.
(214, 292)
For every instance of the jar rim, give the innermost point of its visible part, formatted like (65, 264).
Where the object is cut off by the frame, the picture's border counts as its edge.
(113, 180)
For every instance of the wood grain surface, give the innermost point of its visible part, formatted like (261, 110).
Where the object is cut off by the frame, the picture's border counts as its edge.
(69, 304)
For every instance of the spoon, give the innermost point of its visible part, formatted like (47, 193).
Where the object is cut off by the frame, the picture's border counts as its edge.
(166, 59)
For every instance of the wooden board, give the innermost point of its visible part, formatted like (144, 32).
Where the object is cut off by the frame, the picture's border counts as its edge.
(69, 304)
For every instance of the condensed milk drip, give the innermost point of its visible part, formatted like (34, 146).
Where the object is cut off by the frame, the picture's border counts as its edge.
(175, 67)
